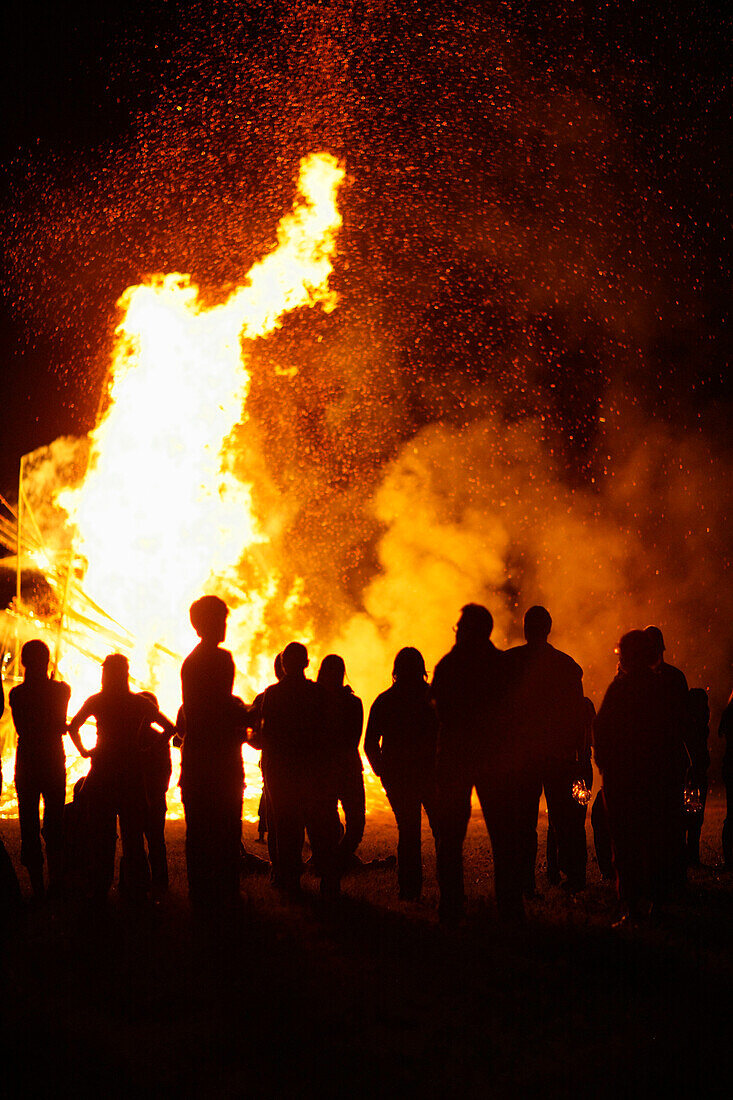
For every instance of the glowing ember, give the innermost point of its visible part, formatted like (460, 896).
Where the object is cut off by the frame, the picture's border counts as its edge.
(581, 792)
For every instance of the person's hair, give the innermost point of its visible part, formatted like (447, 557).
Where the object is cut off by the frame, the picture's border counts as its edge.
(656, 640)
(294, 658)
(475, 623)
(150, 696)
(35, 655)
(537, 623)
(409, 664)
(332, 671)
(115, 669)
(278, 666)
(207, 614)
(635, 651)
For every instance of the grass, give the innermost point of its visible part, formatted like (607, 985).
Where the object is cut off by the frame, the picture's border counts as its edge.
(375, 998)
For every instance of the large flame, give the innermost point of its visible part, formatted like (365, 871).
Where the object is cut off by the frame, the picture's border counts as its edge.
(160, 517)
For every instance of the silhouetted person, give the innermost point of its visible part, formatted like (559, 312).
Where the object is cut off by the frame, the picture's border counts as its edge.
(697, 777)
(212, 773)
(675, 686)
(253, 738)
(400, 745)
(344, 723)
(547, 712)
(301, 792)
(580, 769)
(10, 895)
(155, 758)
(474, 750)
(39, 713)
(640, 752)
(114, 786)
(725, 730)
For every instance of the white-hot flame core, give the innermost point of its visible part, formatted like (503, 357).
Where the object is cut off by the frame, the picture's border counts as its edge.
(159, 516)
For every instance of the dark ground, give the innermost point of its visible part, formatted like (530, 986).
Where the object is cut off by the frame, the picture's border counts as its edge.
(375, 999)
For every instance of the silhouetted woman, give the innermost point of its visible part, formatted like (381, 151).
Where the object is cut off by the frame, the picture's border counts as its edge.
(114, 787)
(345, 720)
(639, 750)
(400, 745)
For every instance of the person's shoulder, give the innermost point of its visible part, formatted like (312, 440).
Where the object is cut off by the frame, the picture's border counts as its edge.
(383, 698)
(566, 662)
(446, 663)
(60, 688)
(16, 694)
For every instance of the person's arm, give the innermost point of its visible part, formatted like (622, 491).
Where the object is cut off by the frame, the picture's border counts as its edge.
(82, 715)
(168, 727)
(372, 739)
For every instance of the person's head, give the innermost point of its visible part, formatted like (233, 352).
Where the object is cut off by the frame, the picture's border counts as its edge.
(474, 625)
(150, 697)
(279, 670)
(332, 671)
(295, 659)
(656, 643)
(35, 656)
(634, 651)
(537, 624)
(115, 673)
(409, 667)
(209, 619)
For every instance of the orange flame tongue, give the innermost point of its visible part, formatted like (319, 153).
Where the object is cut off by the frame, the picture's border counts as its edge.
(158, 516)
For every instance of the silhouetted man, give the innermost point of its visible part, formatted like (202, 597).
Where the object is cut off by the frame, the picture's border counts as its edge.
(344, 723)
(400, 744)
(473, 752)
(639, 749)
(547, 711)
(301, 793)
(253, 739)
(674, 684)
(114, 787)
(39, 713)
(212, 772)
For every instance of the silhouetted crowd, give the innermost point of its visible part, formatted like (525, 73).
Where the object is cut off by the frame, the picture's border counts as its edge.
(510, 724)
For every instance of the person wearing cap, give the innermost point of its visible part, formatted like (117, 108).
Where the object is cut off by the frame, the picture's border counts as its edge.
(639, 750)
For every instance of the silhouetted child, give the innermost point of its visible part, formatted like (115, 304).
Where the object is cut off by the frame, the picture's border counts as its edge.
(39, 713)
(212, 773)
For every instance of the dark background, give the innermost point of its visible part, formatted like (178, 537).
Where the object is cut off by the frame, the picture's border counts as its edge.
(84, 88)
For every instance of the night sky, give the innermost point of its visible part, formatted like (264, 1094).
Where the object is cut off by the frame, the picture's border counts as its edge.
(535, 234)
